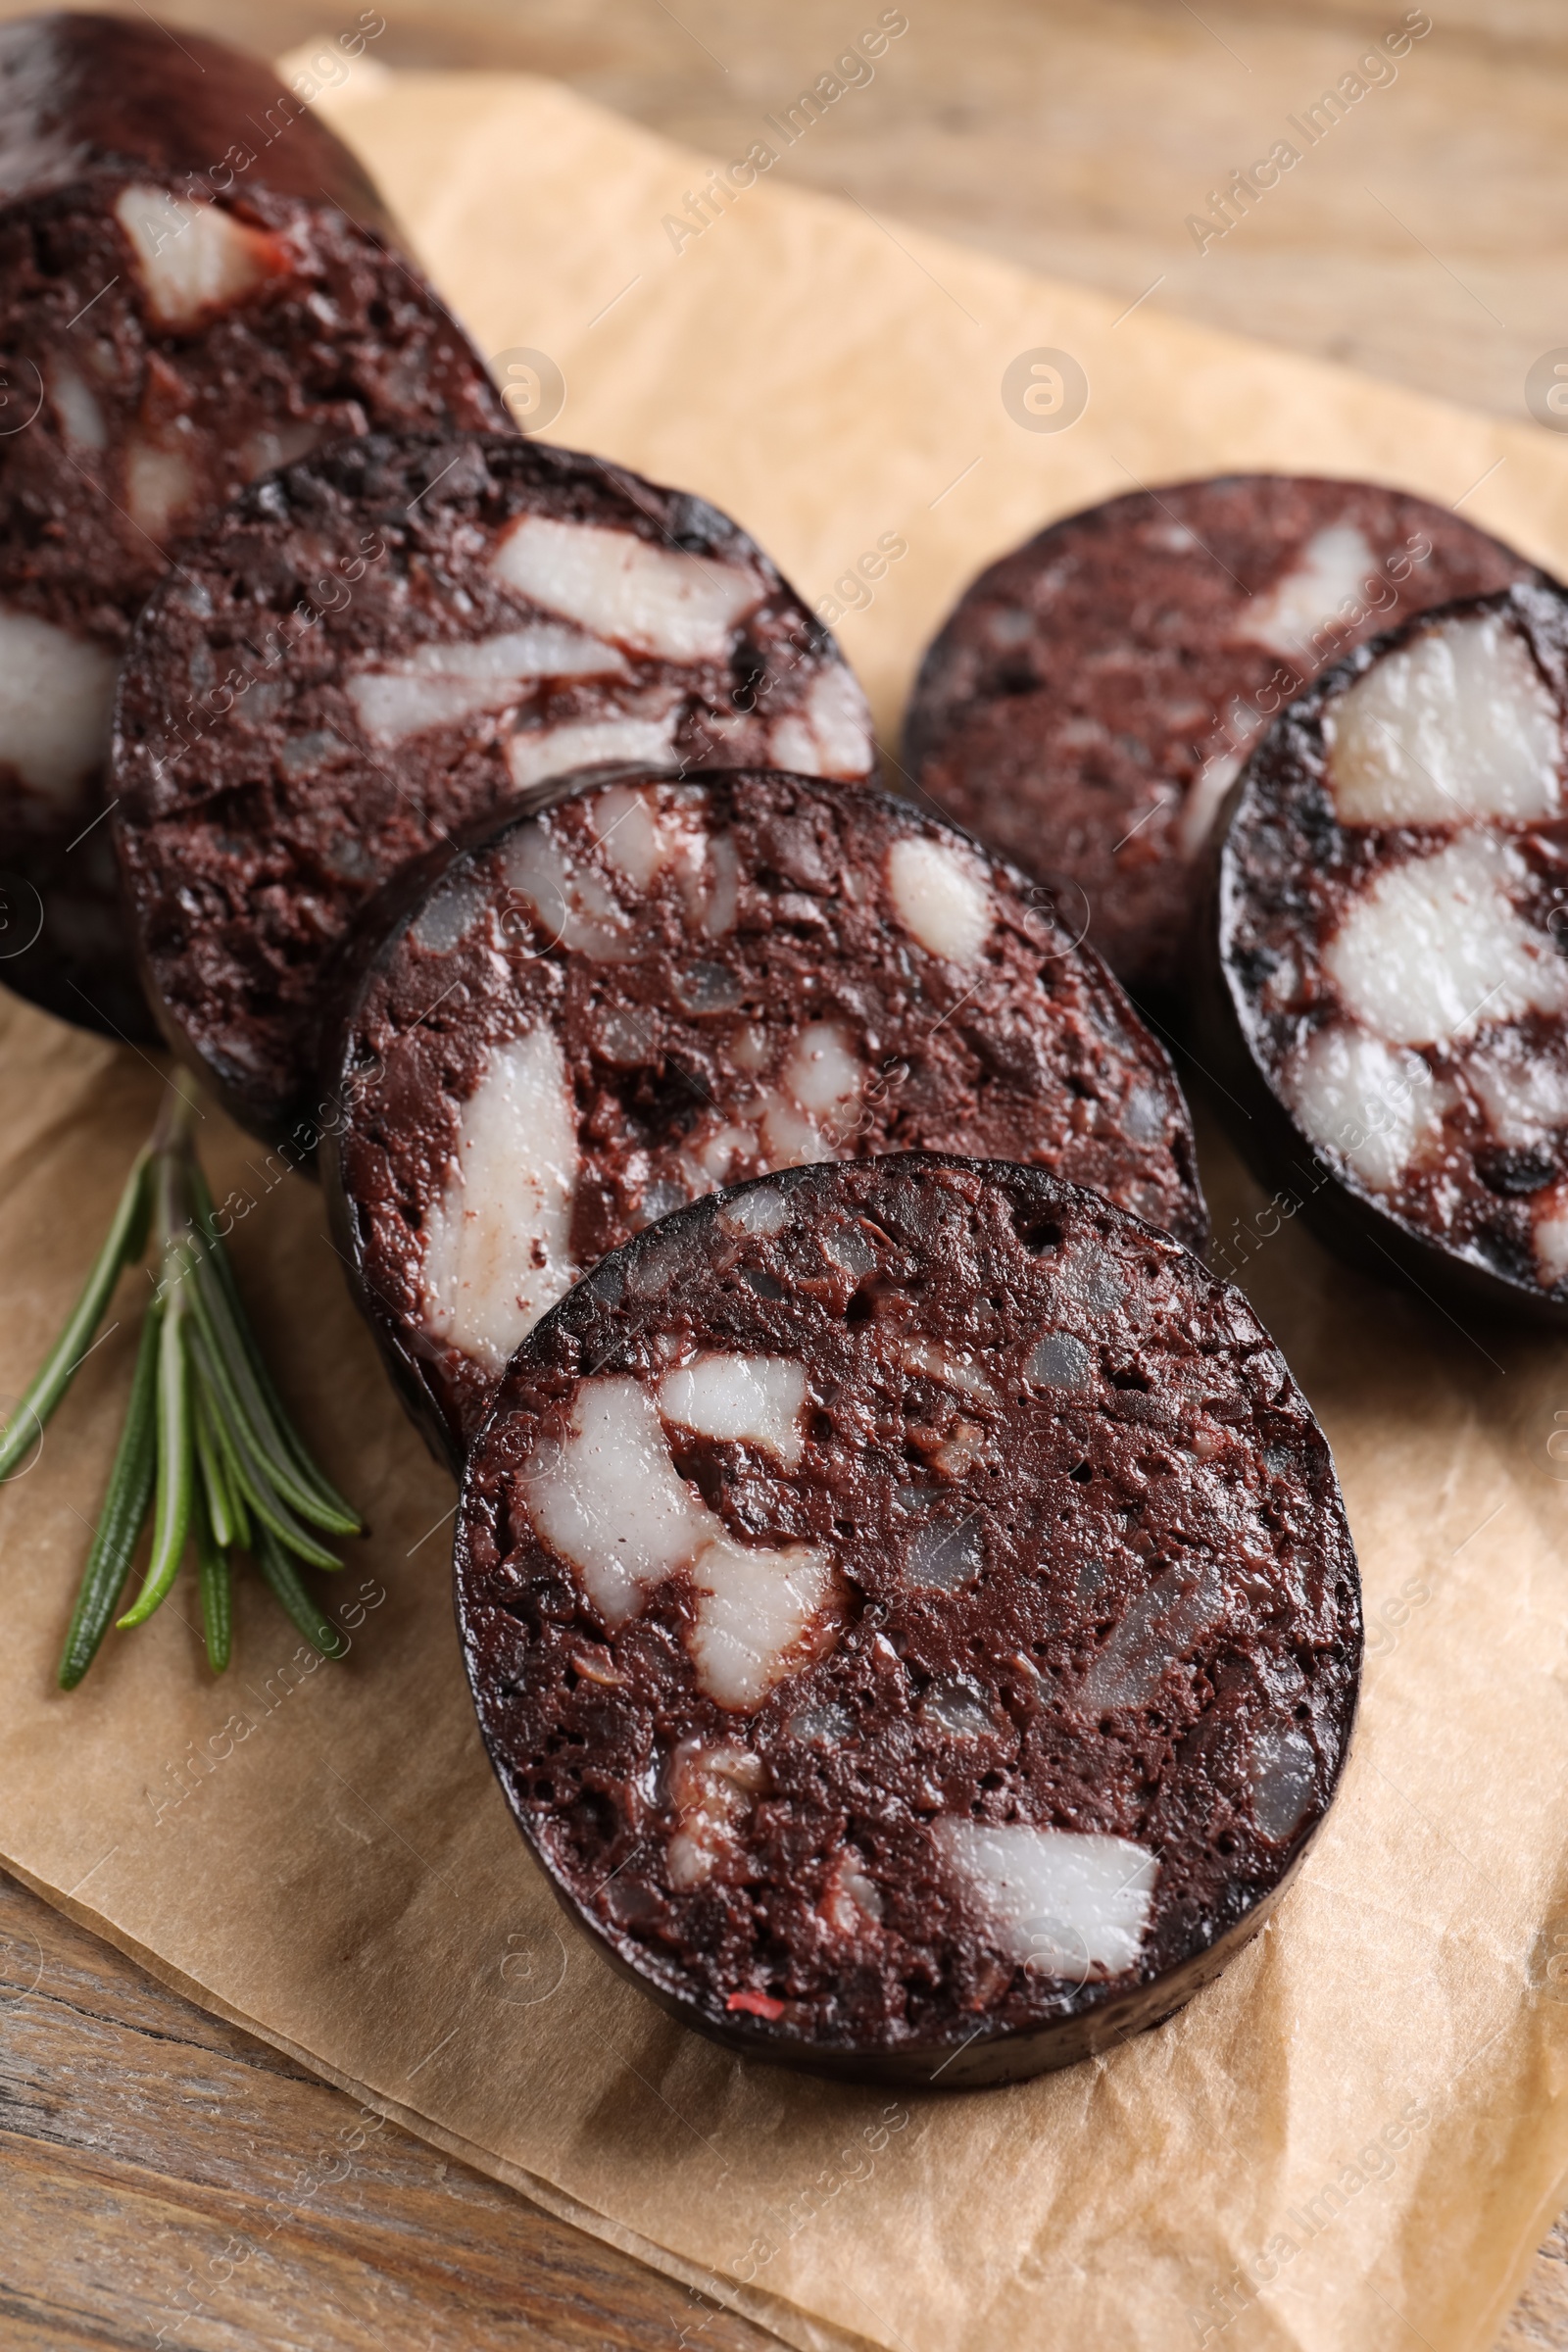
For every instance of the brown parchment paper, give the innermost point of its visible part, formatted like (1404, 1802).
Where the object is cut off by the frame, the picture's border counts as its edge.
(1357, 2135)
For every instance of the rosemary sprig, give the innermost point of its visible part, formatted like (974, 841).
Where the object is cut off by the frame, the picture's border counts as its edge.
(206, 1450)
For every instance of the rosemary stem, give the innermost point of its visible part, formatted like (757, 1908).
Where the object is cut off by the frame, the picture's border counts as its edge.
(123, 1244)
(176, 1441)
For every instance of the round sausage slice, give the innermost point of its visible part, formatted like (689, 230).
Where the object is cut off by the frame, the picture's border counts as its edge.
(197, 284)
(911, 1616)
(1090, 699)
(1387, 991)
(389, 640)
(650, 989)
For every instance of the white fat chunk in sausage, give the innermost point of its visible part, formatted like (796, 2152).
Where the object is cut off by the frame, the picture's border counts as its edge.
(652, 600)
(161, 486)
(853, 1902)
(56, 695)
(1066, 1903)
(1369, 1103)
(1334, 568)
(77, 404)
(713, 1788)
(1549, 1220)
(821, 1727)
(1457, 725)
(437, 685)
(823, 1069)
(750, 1399)
(273, 445)
(608, 1498)
(752, 1608)
(1433, 946)
(1206, 799)
(642, 836)
(939, 896)
(936, 1362)
(830, 735)
(792, 1138)
(963, 1446)
(1281, 1772)
(448, 916)
(571, 904)
(626, 826)
(536, 755)
(945, 1553)
(721, 897)
(1160, 1623)
(761, 1211)
(717, 1153)
(497, 1241)
(1523, 1096)
(959, 1710)
(193, 257)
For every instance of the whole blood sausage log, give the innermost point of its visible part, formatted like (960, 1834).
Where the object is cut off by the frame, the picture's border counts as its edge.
(651, 989)
(911, 1616)
(1386, 989)
(389, 640)
(1089, 700)
(196, 285)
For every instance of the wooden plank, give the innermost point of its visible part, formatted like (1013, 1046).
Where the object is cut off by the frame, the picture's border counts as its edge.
(166, 2179)
(1418, 240)
(1539, 2321)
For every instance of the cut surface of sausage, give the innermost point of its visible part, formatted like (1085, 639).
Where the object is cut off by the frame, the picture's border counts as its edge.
(474, 619)
(648, 989)
(1390, 946)
(911, 1616)
(1093, 697)
(196, 286)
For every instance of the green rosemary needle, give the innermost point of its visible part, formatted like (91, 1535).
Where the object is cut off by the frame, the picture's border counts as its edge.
(176, 1446)
(207, 1451)
(125, 1506)
(293, 1593)
(223, 1517)
(217, 1587)
(122, 1246)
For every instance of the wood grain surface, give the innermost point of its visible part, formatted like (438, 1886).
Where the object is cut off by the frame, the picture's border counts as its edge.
(163, 2179)
(166, 2181)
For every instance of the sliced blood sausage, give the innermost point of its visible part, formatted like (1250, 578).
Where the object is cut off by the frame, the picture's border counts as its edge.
(196, 285)
(1089, 700)
(650, 989)
(1386, 989)
(471, 617)
(911, 1615)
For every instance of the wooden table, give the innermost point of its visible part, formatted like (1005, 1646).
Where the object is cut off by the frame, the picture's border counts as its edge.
(139, 2138)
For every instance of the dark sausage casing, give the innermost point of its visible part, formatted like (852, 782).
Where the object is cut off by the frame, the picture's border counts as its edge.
(197, 284)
